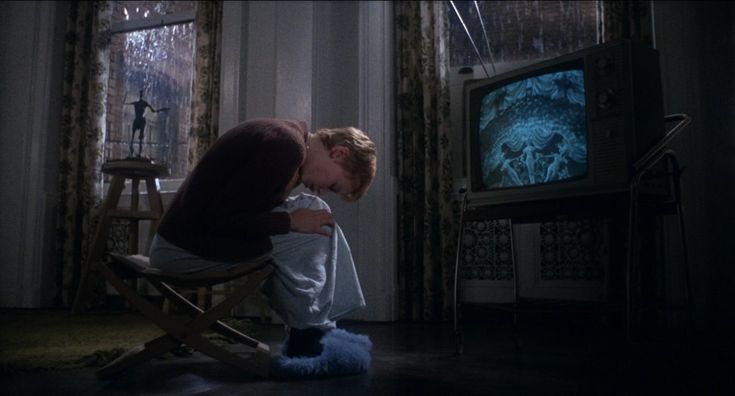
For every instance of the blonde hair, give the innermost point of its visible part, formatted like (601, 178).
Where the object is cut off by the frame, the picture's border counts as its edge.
(361, 164)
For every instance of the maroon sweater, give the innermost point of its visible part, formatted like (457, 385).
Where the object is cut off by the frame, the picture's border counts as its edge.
(223, 209)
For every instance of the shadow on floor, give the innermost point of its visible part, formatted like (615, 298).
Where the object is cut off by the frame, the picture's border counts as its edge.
(557, 356)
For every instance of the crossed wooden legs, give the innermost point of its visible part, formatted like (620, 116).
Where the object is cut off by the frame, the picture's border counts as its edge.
(188, 331)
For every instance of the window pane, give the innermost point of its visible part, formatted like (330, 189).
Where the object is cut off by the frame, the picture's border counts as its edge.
(521, 30)
(133, 10)
(154, 65)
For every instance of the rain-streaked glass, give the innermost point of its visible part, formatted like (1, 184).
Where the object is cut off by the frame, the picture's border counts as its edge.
(159, 63)
(520, 30)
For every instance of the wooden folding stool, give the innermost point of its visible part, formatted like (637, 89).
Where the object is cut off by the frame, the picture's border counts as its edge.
(181, 330)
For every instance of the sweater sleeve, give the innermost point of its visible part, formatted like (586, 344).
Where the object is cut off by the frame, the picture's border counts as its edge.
(224, 207)
(244, 204)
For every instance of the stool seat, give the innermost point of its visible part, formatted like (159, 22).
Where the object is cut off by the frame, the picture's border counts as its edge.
(135, 167)
(139, 266)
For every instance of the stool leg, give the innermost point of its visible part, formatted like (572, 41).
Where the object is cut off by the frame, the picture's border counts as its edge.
(257, 365)
(90, 276)
(218, 326)
(155, 203)
(202, 298)
(139, 355)
(223, 308)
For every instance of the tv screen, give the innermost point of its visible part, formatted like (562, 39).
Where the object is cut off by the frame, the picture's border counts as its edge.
(534, 130)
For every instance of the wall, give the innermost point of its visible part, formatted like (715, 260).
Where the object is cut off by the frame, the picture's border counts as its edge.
(32, 35)
(696, 42)
(330, 64)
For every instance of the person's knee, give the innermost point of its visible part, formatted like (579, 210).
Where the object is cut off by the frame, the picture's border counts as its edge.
(316, 203)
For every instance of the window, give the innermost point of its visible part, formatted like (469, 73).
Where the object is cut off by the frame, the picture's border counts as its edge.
(151, 60)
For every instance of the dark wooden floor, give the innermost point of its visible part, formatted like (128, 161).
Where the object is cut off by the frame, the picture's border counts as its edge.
(558, 355)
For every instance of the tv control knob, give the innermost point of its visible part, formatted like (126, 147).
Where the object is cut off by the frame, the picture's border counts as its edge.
(606, 98)
(603, 65)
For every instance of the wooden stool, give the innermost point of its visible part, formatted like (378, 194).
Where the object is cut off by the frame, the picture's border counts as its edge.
(181, 330)
(121, 170)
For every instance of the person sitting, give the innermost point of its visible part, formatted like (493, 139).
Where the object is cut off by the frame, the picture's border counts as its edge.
(235, 204)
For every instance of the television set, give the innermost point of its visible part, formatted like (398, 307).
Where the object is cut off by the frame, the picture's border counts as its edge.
(565, 127)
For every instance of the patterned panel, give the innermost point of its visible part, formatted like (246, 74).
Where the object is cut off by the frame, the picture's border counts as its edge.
(573, 250)
(486, 248)
(117, 240)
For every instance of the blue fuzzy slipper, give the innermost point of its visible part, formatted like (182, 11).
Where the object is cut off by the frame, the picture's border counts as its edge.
(344, 353)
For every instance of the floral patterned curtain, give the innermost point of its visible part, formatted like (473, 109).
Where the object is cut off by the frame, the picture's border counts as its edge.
(82, 137)
(205, 96)
(427, 229)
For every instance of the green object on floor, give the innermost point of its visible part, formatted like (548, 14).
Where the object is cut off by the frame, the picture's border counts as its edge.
(41, 339)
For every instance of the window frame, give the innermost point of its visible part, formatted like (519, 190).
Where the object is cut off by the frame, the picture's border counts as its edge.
(153, 22)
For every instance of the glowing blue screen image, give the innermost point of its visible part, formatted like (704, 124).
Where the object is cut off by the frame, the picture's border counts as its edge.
(534, 131)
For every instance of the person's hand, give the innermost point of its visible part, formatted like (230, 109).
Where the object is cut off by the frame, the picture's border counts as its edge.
(310, 221)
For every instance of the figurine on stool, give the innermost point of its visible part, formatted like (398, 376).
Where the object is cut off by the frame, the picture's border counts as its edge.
(139, 122)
